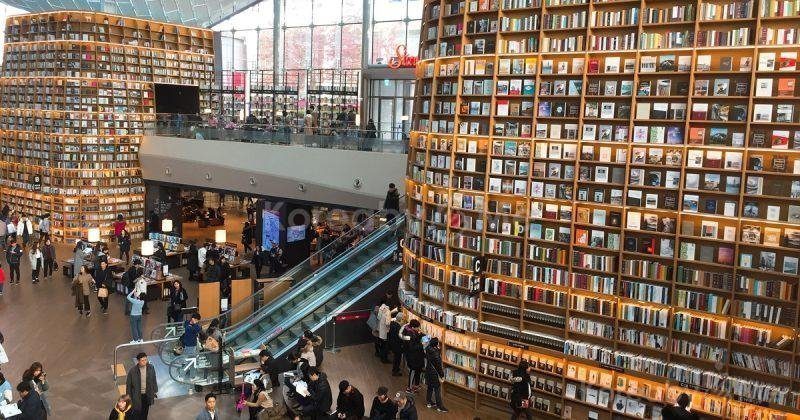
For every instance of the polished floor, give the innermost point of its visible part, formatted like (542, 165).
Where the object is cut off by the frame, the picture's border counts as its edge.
(40, 323)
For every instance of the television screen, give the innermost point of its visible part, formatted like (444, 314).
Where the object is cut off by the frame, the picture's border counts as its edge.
(177, 99)
(271, 231)
(296, 233)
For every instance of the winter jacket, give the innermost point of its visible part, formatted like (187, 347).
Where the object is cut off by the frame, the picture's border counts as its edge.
(395, 342)
(521, 387)
(14, 255)
(103, 277)
(49, 252)
(213, 273)
(192, 258)
(190, 333)
(392, 201)
(415, 354)
(383, 410)
(125, 243)
(433, 364)
(24, 226)
(44, 226)
(351, 405)
(32, 407)
(201, 257)
(85, 283)
(134, 384)
(35, 258)
(408, 411)
(384, 319)
(128, 414)
(320, 399)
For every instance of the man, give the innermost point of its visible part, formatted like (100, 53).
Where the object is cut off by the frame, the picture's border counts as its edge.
(30, 403)
(191, 329)
(679, 411)
(209, 412)
(414, 353)
(396, 343)
(391, 205)
(318, 404)
(434, 372)
(213, 272)
(44, 227)
(268, 368)
(383, 408)
(385, 315)
(142, 385)
(405, 406)
(13, 257)
(349, 403)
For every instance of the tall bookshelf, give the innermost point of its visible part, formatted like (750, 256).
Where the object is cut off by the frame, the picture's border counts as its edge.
(627, 173)
(332, 92)
(76, 97)
(274, 95)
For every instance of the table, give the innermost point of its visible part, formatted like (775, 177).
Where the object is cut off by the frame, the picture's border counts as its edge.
(161, 286)
(68, 264)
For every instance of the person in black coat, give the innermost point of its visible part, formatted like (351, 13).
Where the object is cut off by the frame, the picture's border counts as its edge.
(142, 399)
(383, 408)
(521, 391)
(391, 205)
(160, 254)
(192, 261)
(213, 271)
(349, 403)
(30, 404)
(125, 246)
(434, 372)
(396, 343)
(247, 236)
(177, 301)
(154, 224)
(319, 402)
(103, 279)
(406, 410)
(414, 353)
(680, 411)
(258, 259)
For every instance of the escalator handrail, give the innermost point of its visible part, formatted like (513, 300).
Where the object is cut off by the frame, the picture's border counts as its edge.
(279, 301)
(307, 262)
(314, 302)
(360, 295)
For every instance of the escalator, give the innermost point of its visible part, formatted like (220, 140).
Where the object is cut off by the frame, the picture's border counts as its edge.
(316, 293)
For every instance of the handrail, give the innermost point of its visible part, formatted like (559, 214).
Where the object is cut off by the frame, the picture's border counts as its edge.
(307, 262)
(289, 294)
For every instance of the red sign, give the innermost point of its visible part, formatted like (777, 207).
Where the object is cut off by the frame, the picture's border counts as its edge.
(357, 316)
(402, 59)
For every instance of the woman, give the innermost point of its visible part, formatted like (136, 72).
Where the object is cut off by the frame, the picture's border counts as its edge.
(177, 301)
(119, 225)
(136, 315)
(125, 246)
(35, 256)
(160, 254)
(123, 410)
(6, 391)
(77, 258)
(259, 401)
(103, 280)
(49, 257)
(38, 380)
(192, 261)
(307, 351)
(521, 392)
(258, 259)
(25, 228)
(82, 287)
(247, 236)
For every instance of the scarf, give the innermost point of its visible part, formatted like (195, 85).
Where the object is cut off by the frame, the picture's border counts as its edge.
(121, 414)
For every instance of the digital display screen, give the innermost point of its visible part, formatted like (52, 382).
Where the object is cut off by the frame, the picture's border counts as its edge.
(296, 233)
(271, 230)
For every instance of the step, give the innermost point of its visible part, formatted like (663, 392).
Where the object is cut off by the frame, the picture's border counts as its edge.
(119, 370)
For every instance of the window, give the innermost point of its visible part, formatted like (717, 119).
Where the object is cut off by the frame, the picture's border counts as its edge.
(395, 22)
(297, 51)
(326, 50)
(351, 46)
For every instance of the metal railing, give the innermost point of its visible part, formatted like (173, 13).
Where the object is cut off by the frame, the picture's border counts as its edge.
(345, 138)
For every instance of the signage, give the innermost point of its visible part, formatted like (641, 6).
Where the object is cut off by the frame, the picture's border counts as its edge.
(612, 367)
(518, 345)
(402, 59)
(361, 315)
(477, 282)
(37, 183)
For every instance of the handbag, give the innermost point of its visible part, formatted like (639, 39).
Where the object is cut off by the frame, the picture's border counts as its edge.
(177, 349)
(526, 403)
(102, 292)
(55, 265)
(372, 322)
(3, 355)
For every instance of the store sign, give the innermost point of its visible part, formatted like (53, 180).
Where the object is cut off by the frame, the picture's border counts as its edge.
(402, 59)
(37, 183)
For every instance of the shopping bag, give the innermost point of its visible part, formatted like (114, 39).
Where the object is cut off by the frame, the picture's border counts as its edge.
(3, 355)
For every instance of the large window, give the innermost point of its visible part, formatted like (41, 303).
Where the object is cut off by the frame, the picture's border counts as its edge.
(252, 26)
(395, 22)
(324, 34)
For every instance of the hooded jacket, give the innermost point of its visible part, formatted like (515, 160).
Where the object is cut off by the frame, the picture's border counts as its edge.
(408, 411)
(415, 354)
(433, 365)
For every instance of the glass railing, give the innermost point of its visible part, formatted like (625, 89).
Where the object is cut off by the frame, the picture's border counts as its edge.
(323, 259)
(346, 138)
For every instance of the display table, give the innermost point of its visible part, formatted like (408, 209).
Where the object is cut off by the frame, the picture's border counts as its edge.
(159, 287)
(68, 264)
(175, 259)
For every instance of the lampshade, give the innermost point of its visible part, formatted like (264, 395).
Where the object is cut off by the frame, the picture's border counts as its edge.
(93, 235)
(166, 225)
(148, 248)
(220, 236)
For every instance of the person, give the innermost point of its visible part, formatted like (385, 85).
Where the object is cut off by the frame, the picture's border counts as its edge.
(25, 227)
(192, 261)
(44, 227)
(123, 409)
(119, 226)
(13, 257)
(434, 373)
(258, 259)
(3, 234)
(308, 122)
(124, 242)
(142, 385)
(77, 257)
(105, 283)
(298, 364)
(521, 391)
(371, 130)
(267, 367)
(30, 404)
(385, 315)
(213, 272)
(414, 353)
(160, 253)
(406, 410)
(679, 411)
(318, 404)
(49, 258)
(259, 400)
(2, 281)
(191, 329)
(349, 403)
(247, 236)
(6, 391)
(177, 301)
(136, 303)
(36, 376)
(11, 229)
(82, 287)
(306, 348)
(396, 343)
(209, 411)
(383, 408)
(391, 204)
(35, 258)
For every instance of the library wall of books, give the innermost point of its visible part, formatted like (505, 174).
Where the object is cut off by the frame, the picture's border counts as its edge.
(610, 190)
(76, 97)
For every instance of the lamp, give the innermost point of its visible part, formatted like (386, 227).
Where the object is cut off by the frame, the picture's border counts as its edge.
(148, 248)
(166, 225)
(220, 236)
(93, 235)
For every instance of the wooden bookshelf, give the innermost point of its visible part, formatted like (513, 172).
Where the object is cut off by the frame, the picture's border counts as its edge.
(628, 175)
(76, 97)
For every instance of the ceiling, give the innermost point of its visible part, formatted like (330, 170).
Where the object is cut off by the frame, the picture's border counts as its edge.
(203, 13)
